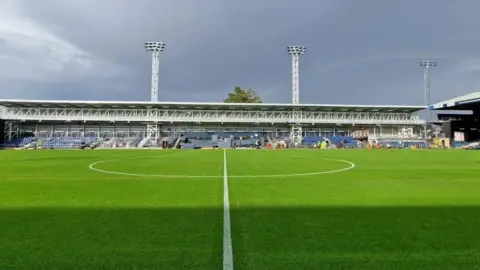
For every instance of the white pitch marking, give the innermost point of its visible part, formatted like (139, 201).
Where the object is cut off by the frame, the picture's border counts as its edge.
(351, 166)
(92, 167)
(227, 237)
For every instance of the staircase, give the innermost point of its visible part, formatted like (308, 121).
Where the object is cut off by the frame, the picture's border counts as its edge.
(177, 141)
(96, 143)
(142, 143)
(108, 143)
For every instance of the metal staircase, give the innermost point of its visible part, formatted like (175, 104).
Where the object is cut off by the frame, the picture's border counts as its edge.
(143, 142)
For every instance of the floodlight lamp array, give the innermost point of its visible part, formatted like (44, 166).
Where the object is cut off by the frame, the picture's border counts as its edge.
(428, 63)
(296, 50)
(154, 46)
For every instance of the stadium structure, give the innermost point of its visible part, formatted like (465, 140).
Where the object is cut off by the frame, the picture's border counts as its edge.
(233, 209)
(139, 124)
(112, 124)
(460, 119)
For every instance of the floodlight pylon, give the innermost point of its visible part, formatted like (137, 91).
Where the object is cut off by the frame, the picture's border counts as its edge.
(426, 79)
(155, 48)
(296, 128)
(295, 52)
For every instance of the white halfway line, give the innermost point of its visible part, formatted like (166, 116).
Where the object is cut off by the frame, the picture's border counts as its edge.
(227, 237)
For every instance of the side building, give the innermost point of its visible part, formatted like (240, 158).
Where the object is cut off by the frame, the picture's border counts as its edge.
(460, 117)
(149, 122)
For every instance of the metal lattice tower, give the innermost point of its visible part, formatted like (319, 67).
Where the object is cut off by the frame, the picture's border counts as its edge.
(152, 131)
(296, 128)
(295, 52)
(426, 79)
(155, 48)
(152, 134)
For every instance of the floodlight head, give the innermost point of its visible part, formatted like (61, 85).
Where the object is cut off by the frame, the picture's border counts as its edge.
(154, 46)
(296, 50)
(428, 63)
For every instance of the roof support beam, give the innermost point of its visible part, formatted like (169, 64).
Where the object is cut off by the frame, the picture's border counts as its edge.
(211, 116)
(206, 106)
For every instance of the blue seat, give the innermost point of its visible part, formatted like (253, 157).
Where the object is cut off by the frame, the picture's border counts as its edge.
(311, 140)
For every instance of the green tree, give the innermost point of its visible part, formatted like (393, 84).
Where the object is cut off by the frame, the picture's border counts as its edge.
(239, 95)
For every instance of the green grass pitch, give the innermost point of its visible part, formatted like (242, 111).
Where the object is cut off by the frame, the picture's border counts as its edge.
(396, 209)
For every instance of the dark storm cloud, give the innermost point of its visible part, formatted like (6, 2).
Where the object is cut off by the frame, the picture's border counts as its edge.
(357, 51)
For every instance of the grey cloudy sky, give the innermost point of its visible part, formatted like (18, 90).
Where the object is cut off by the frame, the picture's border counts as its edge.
(358, 52)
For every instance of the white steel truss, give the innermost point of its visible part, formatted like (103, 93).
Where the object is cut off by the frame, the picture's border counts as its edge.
(11, 131)
(295, 79)
(207, 116)
(296, 129)
(155, 72)
(152, 134)
(296, 135)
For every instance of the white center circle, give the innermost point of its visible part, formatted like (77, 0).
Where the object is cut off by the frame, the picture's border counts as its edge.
(350, 166)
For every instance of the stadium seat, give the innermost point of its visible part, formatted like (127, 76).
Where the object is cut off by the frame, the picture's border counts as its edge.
(57, 142)
(311, 140)
(341, 139)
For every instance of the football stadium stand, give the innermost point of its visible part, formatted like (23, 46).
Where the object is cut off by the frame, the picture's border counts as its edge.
(188, 125)
(460, 118)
